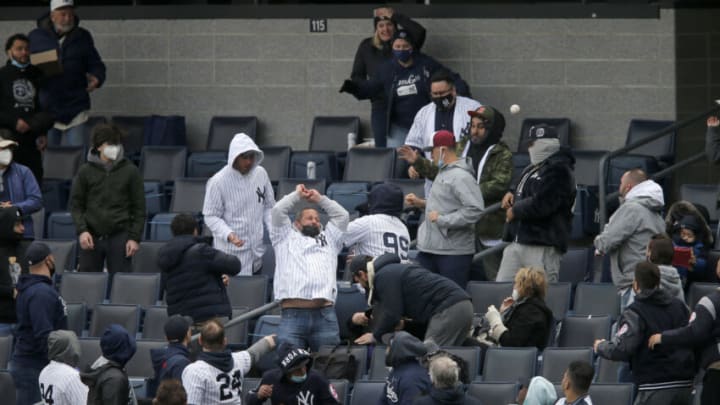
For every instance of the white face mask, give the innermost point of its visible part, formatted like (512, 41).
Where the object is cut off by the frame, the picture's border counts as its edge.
(5, 157)
(515, 294)
(111, 151)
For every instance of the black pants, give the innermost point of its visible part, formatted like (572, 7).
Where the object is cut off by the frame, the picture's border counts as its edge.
(110, 249)
(711, 387)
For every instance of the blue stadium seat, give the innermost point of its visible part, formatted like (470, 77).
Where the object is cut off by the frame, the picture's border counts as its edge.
(163, 164)
(160, 226)
(134, 127)
(331, 133)
(205, 164)
(223, 129)
(60, 225)
(266, 325)
(155, 199)
(276, 162)
(326, 166)
(663, 149)
(188, 195)
(349, 194)
(369, 164)
(349, 301)
(576, 265)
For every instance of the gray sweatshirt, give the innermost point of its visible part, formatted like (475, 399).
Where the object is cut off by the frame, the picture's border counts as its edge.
(629, 230)
(457, 198)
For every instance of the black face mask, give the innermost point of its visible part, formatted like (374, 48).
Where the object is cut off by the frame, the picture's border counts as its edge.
(444, 103)
(311, 231)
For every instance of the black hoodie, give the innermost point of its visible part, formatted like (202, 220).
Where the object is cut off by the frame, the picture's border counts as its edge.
(447, 396)
(192, 273)
(9, 241)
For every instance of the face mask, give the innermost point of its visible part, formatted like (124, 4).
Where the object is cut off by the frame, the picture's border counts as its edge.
(441, 161)
(444, 103)
(111, 151)
(298, 378)
(403, 56)
(515, 295)
(5, 157)
(18, 64)
(310, 230)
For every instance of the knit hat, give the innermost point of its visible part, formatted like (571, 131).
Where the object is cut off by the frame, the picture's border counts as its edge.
(292, 357)
(403, 34)
(690, 222)
(117, 345)
(542, 131)
(56, 4)
(386, 198)
(176, 328)
(36, 253)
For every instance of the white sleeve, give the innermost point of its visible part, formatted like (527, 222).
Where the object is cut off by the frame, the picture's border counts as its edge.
(356, 231)
(213, 210)
(417, 130)
(77, 392)
(194, 386)
(269, 204)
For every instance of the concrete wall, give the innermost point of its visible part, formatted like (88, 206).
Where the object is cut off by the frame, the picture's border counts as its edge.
(600, 73)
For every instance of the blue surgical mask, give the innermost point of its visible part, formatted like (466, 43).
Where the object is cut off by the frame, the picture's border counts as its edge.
(18, 64)
(298, 378)
(441, 161)
(403, 56)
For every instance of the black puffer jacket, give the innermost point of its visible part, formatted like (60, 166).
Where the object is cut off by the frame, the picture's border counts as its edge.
(544, 197)
(528, 323)
(192, 272)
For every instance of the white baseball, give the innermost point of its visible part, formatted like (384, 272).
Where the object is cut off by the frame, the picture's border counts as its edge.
(514, 109)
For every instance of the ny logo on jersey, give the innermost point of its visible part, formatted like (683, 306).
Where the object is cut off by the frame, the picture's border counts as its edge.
(260, 194)
(306, 398)
(321, 240)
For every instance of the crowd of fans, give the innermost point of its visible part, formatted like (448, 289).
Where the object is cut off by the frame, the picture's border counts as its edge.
(414, 307)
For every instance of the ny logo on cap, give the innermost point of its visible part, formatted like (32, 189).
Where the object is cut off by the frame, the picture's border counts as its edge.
(540, 133)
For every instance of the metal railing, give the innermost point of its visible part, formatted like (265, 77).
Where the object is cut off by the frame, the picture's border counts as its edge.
(247, 316)
(603, 166)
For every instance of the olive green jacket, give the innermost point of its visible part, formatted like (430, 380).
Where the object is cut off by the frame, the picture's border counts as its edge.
(494, 183)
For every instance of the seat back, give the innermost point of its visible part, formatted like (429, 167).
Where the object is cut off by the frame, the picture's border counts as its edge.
(556, 360)
(331, 133)
(89, 352)
(561, 124)
(248, 291)
(618, 165)
(575, 265)
(597, 299)
(486, 293)
(349, 301)
(87, 128)
(349, 194)
(133, 288)
(471, 355)
(509, 364)
(367, 392)
(154, 322)
(287, 186)
(237, 333)
(325, 165)
(557, 298)
(408, 186)
(7, 387)
(276, 162)
(90, 288)
(77, 315)
(163, 163)
(205, 164)
(145, 259)
(140, 365)
(103, 315)
(64, 252)
(134, 127)
(160, 226)
(224, 129)
(342, 388)
(607, 370)
(378, 369)
(586, 166)
(369, 164)
(6, 344)
(493, 393)
(188, 195)
(663, 148)
(520, 160)
(699, 290)
(703, 194)
(266, 325)
(583, 331)
(616, 394)
(60, 225)
(62, 162)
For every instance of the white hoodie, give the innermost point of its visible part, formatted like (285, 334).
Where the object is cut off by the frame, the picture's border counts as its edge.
(235, 203)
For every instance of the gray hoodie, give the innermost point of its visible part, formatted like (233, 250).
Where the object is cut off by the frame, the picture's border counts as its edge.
(670, 281)
(629, 230)
(458, 200)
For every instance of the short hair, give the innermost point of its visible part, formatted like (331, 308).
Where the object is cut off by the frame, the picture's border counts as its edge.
(442, 75)
(580, 375)
(15, 37)
(444, 372)
(183, 224)
(637, 175)
(647, 276)
(170, 392)
(531, 282)
(213, 335)
(661, 249)
(299, 214)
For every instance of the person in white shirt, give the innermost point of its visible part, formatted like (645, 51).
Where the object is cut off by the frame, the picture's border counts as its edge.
(381, 231)
(306, 268)
(216, 377)
(238, 200)
(60, 381)
(576, 383)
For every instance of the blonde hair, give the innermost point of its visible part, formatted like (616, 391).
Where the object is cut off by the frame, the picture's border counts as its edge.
(530, 282)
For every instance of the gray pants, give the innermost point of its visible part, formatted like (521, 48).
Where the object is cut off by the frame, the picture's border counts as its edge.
(517, 255)
(672, 396)
(451, 326)
(491, 262)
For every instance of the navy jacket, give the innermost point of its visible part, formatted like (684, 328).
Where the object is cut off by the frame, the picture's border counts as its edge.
(24, 193)
(40, 310)
(168, 363)
(192, 272)
(448, 396)
(543, 203)
(407, 381)
(65, 95)
(408, 290)
(289, 393)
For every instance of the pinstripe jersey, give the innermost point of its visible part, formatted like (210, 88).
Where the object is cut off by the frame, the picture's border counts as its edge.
(60, 385)
(306, 266)
(377, 234)
(207, 385)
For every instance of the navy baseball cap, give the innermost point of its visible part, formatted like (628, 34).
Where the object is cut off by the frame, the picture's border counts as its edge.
(36, 253)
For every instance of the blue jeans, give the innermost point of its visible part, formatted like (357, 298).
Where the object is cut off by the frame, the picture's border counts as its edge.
(27, 391)
(396, 136)
(74, 136)
(309, 327)
(455, 267)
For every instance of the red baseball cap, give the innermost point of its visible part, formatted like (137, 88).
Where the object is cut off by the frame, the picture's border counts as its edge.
(442, 138)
